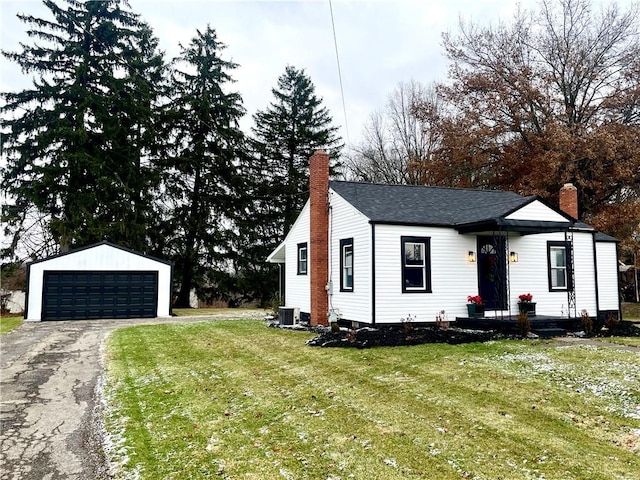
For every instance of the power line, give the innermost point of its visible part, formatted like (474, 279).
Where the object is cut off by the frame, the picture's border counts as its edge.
(335, 43)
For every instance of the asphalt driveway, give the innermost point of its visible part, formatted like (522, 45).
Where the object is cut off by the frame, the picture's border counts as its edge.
(49, 405)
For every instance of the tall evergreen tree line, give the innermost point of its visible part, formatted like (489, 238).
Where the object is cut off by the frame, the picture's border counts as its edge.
(111, 142)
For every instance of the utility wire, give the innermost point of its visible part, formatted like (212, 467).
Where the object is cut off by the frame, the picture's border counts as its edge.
(335, 43)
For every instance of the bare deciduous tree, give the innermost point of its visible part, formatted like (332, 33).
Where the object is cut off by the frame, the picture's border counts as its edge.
(395, 140)
(550, 97)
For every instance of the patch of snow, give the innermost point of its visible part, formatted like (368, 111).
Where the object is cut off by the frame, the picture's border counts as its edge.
(613, 381)
(391, 462)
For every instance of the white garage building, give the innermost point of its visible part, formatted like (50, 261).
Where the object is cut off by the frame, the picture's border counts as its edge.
(100, 281)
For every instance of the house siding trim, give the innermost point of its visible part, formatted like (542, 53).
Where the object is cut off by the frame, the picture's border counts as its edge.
(373, 274)
(618, 281)
(595, 270)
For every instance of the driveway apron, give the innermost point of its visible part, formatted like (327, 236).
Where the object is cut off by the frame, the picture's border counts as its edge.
(47, 389)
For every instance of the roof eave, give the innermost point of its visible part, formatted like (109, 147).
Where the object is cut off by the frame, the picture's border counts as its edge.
(523, 227)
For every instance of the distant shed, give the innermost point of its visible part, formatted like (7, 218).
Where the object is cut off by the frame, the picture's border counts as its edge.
(100, 281)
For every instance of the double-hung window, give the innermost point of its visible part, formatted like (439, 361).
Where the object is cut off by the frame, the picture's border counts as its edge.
(346, 265)
(416, 268)
(302, 258)
(559, 261)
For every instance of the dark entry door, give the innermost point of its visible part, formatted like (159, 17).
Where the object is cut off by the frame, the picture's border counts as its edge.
(492, 268)
(79, 295)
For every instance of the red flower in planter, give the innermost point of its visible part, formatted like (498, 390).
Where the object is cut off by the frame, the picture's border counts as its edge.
(526, 297)
(477, 299)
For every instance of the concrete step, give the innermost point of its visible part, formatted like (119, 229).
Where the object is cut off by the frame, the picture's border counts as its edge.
(549, 332)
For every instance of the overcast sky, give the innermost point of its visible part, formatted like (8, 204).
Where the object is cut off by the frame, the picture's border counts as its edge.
(380, 43)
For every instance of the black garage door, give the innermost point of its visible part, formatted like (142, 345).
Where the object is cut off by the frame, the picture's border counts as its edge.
(72, 295)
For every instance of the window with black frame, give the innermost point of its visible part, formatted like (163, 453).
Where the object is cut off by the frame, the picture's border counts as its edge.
(346, 265)
(302, 258)
(416, 264)
(558, 261)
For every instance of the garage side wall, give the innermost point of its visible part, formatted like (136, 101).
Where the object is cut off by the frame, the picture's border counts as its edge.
(102, 257)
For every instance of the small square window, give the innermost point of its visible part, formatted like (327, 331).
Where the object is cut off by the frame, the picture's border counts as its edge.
(302, 258)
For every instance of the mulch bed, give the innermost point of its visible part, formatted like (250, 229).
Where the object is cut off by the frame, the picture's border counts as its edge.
(399, 336)
(623, 329)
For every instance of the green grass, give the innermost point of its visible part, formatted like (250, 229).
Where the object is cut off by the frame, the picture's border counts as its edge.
(236, 312)
(629, 341)
(631, 311)
(238, 400)
(10, 323)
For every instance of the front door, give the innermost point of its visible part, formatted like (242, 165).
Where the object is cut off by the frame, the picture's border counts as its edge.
(492, 272)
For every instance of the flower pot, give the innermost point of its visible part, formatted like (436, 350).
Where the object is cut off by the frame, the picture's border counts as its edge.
(528, 308)
(475, 310)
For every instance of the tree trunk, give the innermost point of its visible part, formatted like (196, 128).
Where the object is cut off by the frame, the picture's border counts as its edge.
(185, 287)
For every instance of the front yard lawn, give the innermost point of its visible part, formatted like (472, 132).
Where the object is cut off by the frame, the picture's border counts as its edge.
(238, 400)
(10, 322)
(628, 341)
(631, 311)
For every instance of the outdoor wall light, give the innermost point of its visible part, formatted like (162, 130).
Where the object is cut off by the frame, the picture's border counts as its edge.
(471, 256)
(513, 257)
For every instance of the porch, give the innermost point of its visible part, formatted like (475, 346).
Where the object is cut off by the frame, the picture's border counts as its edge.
(541, 325)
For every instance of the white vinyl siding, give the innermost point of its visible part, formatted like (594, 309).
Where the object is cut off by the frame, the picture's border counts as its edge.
(538, 211)
(531, 275)
(585, 274)
(348, 223)
(297, 291)
(453, 277)
(607, 275)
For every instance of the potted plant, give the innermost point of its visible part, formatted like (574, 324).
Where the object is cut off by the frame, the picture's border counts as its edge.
(475, 308)
(526, 305)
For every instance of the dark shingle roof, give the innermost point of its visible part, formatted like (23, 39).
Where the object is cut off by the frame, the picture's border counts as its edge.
(421, 205)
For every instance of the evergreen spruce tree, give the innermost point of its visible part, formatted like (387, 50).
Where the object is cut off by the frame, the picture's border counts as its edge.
(285, 135)
(77, 142)
(204, 180)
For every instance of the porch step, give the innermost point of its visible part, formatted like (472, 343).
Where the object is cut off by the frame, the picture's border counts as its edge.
(549, 332)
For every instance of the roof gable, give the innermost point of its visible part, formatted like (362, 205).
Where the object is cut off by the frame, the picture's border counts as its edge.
(103, 244)
(536, 210)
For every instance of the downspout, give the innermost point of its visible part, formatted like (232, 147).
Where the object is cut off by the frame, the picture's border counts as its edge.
(373, 274)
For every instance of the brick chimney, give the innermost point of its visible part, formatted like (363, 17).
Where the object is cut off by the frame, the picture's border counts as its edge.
(569, 200)
(319, 238)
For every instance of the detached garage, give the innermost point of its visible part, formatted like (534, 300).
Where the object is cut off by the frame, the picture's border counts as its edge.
(98, 282)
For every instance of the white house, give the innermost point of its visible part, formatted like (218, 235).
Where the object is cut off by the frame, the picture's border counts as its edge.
(99, 281)
(377, 254)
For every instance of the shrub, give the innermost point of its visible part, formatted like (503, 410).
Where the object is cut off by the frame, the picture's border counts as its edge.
(587, 322)
(524, 326)
(612, 320)
(442, 321)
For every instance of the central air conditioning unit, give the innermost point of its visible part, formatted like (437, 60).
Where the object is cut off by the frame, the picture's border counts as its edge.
(289, 315)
